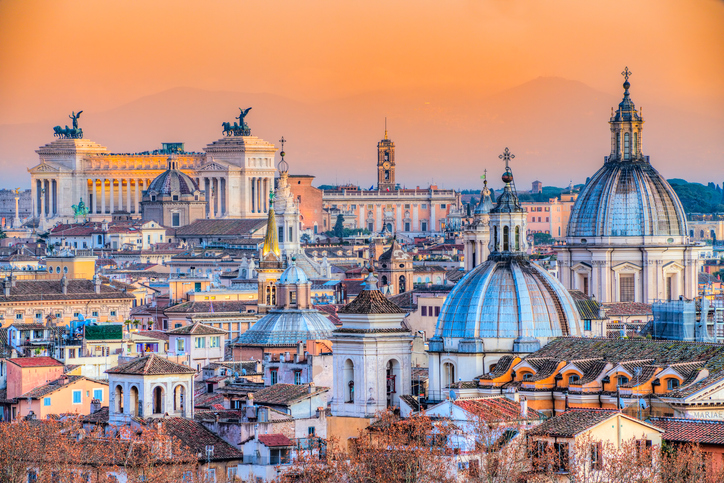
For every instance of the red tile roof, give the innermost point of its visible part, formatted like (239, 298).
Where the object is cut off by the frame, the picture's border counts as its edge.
(43, 361)
(371, 302)
(627, 308)
(498, 408)
(573, 422)
(196, 329)
(691, 430)
(196, 437)
(153, 365)
(275, 440)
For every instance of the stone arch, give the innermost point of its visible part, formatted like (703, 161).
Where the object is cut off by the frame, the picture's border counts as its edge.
(449, 371)
(402, 284)
(348, 386)
(118, 399)
(179, 398)
(158, 395)
(393, 379)
(506, 238)
(134, 401)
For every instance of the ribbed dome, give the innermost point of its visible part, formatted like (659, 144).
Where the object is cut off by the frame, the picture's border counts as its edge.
(287, 327)
(511, 298)
(173, 181)
(627, 198)
(293, 275)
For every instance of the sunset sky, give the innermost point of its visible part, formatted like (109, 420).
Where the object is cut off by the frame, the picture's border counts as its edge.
(369, 59)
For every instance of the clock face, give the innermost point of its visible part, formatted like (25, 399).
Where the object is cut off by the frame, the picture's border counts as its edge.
(386, 165)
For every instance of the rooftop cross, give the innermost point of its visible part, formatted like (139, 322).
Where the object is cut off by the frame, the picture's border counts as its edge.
(485, 174)
(626, 73)
(507, 156)
(282, 141)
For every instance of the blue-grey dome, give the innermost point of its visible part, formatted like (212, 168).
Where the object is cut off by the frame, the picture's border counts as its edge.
(293, 275)
(173, 181)
(287, 327)
(486, 202)
(627, 198)
(511, 298)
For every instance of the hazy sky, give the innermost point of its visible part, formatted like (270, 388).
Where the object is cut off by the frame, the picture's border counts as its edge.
(58, 55)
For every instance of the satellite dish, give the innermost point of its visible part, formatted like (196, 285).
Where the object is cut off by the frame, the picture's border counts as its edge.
(453, 396)
(243, 371)
(236, 374)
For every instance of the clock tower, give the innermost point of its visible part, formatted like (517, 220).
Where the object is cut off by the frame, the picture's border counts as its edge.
(386, 164)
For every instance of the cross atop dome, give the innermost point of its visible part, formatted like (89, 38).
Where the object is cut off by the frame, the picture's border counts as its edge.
(507, 156)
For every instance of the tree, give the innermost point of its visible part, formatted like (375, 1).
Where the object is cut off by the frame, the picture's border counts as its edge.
(543, 239)
(339, 226)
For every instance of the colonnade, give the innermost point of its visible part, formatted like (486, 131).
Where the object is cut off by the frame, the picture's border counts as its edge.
(259, 191)
(217, 195)
(45, 202)
(112, 195)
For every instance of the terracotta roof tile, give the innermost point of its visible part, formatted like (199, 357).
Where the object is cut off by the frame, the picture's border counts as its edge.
(627, 308)
(285, 394)
(219, 307)
(221, 227)
(196, 329)
(29, 290)
(275, 440)
(691, 430)
(151, 364)
(52, 386)
(196, 437)
(572, 422)
(501, 368)
(371, 302)
(43, 361)
(496, 408)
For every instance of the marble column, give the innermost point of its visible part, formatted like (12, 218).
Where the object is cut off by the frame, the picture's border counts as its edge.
(16, 221)
(128, 195)
(120, 195)
(103, 196)
(42, 199)
(137, 203)
(110, 195)
(252, 182)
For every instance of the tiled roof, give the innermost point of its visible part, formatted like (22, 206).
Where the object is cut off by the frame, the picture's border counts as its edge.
(411, 401)
(29, 290)
(572, 422)
(152, 364)
(207, 400)
(501, 368)
(23, 326)
(428, 268)
(627, 308)
(154, 334)
(695, 431)
(544, 367)
(196, 437)
(591, 370)
(275, 440)
(220, 307)
(646, 374)
(404, 300)
(248, 366)
(588, 308)
(196, 329)
(371, 302)
(52, 386)
(454, 275)
(221, 227)
(420, 373)
(285, 394)
(496, 408)
(330, 310)
(98, 417)
(43, 361)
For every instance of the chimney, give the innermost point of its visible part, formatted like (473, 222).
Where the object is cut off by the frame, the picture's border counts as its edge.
(523, 407)
(95, 405)
(64, 285)
(321, 414)
(287, 356)
(256, 431)
(97, 282)
(250, 400)
(12, 280)
(300, 350)
(311, 388)
(6, 287)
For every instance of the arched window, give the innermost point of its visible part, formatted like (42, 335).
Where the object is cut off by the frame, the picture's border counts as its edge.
(506, 244)
(349, 380)
(393, 371)
(119, 399)
(158, 400)
(626, 146)
(448, 374)
(618, 142)
(134, 402)
(178, 398)
(517, 238)
(495, 238)
(622, 380)
(636, 143)
(402, 284)
(527, 376)
(383, 279)
(672, 384)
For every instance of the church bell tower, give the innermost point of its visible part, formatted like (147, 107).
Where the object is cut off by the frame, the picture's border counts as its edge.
(386, 163)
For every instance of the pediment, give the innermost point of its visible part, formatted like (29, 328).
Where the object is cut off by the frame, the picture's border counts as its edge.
(45, 167)
(581, 267)
(213, 166)
(626, 267)
(673, 267)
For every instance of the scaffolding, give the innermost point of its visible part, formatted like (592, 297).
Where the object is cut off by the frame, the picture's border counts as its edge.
(699, 320)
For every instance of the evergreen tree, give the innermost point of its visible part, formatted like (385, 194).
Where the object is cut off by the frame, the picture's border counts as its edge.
(339, 226)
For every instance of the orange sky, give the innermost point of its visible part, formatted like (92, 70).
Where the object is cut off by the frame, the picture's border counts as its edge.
(58, 56)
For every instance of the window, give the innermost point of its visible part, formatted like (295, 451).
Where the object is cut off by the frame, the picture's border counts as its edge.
(597, 456)
(627, 288)
(298, 377)
(210, 475)
(311, 431)
(273, 376)
(214, 341)
(561, 450)
(37, 334)
(98, 394)
(423, 206)
(573, 379)
(437, 311)
(587, 325)
(281, 234)
(94, 313)
(293, 297)
(200, 342)
(113, 313)
(622, 380)
(46, 401)
(527, 376)
(672, 384)
(71, 353)
(180, 346)
(58, 315)
(19, 316)
(77, 397)
(424, 310)
(176, 219)
(76, 314)
(443, 206)
(231, 473)
(407, 226)
(423, 226)
(627, 146)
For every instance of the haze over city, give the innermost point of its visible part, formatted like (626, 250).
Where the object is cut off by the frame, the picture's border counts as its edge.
(457, 82)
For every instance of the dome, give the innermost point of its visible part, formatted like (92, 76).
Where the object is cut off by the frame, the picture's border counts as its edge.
(287, 327)
(293, 275)
(627, 198)
(173, 181)
(511, 298)
(486, 203)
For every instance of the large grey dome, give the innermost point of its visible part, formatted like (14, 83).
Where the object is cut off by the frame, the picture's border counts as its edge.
(511, 298)
(287, 327)
(627, 198)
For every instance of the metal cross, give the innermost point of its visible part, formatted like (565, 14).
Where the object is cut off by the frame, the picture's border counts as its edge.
(282, 141)
(507, 156)
(626, 73)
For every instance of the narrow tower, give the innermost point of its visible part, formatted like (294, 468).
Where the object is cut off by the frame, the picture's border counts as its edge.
(271, 264)
(386, 163)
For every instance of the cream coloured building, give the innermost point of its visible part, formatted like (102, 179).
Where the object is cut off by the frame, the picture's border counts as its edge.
(236, 173)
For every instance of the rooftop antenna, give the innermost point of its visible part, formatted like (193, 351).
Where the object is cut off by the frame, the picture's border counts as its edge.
(385, 127)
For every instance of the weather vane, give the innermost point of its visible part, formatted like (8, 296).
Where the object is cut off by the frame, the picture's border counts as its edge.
(507, 156)
(626, 73)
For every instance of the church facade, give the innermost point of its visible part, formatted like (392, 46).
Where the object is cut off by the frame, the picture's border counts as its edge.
(236, 173)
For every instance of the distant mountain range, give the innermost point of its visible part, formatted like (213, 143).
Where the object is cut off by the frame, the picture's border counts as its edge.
(557, 128)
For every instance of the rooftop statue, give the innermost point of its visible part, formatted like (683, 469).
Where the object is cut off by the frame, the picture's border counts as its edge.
(80, 209)
(70, 132)
(238, 129)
